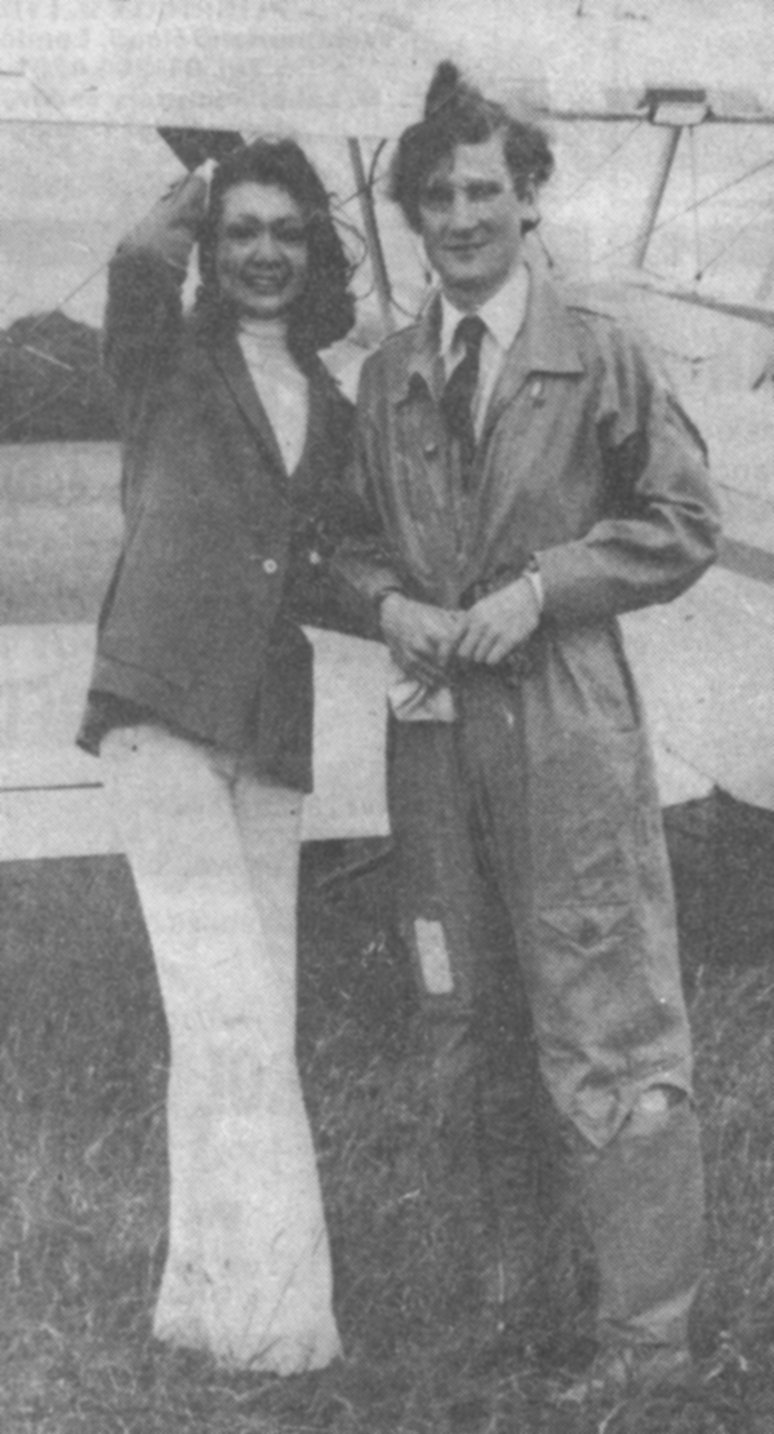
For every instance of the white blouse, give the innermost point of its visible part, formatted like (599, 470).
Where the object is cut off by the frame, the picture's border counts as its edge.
(281, 386)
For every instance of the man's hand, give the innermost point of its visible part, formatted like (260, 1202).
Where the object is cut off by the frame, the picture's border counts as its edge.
(421, 637)
(499, 622)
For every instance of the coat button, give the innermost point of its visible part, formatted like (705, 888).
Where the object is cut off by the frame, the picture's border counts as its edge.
(270, 566)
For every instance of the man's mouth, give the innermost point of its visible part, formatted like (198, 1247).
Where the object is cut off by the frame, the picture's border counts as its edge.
(467, 249)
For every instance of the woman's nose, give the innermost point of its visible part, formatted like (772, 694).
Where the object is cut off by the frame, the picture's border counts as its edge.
(264, 245)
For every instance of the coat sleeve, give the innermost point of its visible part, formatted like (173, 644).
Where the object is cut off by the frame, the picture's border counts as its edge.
(144, 309)
(660, 525)
(363, 559)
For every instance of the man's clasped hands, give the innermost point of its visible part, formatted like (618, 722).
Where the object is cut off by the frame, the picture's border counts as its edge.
(423, 639)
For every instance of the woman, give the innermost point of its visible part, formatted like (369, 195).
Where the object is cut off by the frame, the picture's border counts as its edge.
(234, 437)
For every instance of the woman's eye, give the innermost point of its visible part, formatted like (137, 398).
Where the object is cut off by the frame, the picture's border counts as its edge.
(290, 234)
(293, 234)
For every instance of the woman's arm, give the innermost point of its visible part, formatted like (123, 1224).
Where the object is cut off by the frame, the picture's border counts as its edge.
(145, 280)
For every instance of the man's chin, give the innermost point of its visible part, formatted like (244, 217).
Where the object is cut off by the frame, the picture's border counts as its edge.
(467, 288)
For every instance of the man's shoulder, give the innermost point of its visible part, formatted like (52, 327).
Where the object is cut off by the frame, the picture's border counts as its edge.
(600, 306)
(602, 318)
(396, 346)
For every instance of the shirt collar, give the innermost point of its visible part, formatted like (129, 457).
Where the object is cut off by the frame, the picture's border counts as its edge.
(549, 341)
(503, 314)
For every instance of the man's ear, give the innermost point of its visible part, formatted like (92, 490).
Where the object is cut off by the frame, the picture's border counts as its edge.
(528, 194)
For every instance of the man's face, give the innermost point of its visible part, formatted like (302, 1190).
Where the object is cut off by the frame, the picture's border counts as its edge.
(262, 254)
(471, 221)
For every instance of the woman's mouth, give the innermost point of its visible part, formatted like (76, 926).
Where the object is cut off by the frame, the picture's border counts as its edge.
(265, 281)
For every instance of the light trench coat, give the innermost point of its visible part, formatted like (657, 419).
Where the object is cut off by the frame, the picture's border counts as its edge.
(587, 462)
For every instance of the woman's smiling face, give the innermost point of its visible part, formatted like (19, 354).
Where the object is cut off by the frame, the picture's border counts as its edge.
(262, 251)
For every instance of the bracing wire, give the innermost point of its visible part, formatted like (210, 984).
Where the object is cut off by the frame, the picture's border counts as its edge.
(372, 180)
(735, 237)
(61, 303)
(694, 197)
(592, 174)
(36, 407)
(372, 168)
(337, 206)
(681, 213)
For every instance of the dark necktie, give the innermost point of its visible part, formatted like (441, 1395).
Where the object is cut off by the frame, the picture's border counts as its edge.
(460, 391)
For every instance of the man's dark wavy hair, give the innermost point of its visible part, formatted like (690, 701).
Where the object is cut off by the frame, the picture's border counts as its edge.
(457, 113)
(325, 311)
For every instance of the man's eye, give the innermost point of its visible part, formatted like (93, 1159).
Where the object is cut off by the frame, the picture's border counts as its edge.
(437, 196)
(483, 191)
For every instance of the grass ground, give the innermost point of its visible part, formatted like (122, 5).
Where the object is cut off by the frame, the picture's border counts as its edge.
(82, 1190)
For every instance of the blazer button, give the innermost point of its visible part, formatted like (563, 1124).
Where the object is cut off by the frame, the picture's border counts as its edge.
(270, 566)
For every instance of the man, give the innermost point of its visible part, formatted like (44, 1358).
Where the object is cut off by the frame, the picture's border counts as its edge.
(525, 478)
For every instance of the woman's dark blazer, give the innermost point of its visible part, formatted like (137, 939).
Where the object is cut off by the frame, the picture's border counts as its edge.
(194, 628)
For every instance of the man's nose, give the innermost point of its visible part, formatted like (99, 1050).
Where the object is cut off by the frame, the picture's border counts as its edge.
(462, 212)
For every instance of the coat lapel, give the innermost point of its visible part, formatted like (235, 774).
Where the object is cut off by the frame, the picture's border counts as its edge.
(545, 345)
(229, 360)
(327, 432)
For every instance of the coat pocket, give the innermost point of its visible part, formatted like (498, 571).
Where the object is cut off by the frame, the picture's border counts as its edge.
(590, 978)
(603, 1018)
(604, 987)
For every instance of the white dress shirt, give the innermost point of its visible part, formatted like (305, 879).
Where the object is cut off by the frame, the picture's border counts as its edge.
(503, 316)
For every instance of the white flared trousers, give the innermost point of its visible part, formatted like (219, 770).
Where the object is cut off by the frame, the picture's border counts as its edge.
(214, 852)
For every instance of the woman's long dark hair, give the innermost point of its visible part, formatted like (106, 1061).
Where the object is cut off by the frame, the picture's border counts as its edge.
(325, 310)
